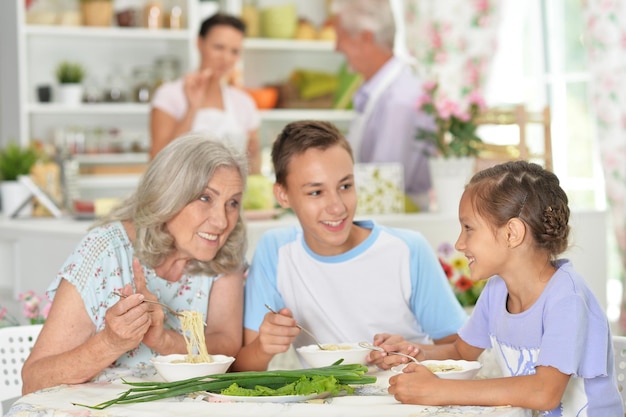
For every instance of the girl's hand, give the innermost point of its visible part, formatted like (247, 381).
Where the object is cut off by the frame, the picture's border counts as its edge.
(155, 335)
(277, 332)
(415, 385)
(194, 86)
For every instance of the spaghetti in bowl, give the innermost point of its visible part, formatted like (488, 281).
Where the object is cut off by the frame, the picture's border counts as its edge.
(351, 353)
(176, 367)
(449, 368)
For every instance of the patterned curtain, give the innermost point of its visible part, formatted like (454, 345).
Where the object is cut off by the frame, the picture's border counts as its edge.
(453, 42)
(605, 40)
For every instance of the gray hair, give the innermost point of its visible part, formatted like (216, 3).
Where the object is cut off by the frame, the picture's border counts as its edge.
(177, 176)
(373, 15)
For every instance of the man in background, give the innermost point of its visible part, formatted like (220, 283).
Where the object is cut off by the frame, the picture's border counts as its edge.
(387, 119)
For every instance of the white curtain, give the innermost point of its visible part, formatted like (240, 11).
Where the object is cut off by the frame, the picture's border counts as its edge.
(605, 40)
(453, 42)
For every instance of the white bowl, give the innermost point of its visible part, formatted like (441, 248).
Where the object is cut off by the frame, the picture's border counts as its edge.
(350, 353)
(185, 370)
(468, 370)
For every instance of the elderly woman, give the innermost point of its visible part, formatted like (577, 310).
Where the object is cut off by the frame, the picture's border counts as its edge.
(179, 239)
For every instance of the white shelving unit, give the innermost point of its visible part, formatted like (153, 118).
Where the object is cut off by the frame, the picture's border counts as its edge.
(103, 51)
(271, 61)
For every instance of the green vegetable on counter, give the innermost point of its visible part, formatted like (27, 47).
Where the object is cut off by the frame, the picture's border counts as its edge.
(303, 386)
(320, 378)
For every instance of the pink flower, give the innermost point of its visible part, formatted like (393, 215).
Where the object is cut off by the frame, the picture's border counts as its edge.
(421, 100)
(429, 86)
(482, 5)
(476, 98)
(32, 304)
(435, 38)
(446, 108)
(462, 115)
(441, 57)
(483, 21)
(26, 295)
(30, 313)
(3, 312)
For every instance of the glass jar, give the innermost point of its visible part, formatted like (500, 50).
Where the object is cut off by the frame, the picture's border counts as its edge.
(143, 83)
(116, 87)
(174, 18)
(167, 68)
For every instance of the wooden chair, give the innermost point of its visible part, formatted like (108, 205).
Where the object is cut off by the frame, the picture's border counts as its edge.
(518, 116)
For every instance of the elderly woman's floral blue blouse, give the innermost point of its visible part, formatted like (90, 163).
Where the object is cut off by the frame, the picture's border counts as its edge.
(101, 265)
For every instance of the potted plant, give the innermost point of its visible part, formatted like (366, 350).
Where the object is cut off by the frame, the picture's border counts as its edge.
(96, 12)
(70, 76)
(453, 143)
(15, 161)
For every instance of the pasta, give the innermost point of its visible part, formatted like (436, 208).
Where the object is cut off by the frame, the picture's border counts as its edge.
(337, 347)
(192, 322)
(443, 368)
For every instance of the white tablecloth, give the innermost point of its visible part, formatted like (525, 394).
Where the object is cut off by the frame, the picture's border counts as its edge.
(371, 400)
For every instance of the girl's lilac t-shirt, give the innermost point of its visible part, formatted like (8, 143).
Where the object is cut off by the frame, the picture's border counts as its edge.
(566, 328)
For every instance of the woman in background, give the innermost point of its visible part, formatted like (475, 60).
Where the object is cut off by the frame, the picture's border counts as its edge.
(202, 100)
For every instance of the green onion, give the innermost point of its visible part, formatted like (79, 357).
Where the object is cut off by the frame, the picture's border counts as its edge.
(151, 391)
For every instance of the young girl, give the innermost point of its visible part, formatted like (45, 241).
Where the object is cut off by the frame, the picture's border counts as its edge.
(550, 335)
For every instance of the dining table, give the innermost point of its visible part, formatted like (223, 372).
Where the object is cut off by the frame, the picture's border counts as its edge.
(367, 400)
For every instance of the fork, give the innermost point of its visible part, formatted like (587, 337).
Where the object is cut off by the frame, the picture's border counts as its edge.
(370, 346)
(319, 345)
(170, 309)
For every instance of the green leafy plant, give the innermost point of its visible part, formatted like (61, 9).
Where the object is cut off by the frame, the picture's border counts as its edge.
(16, 160)
(70, 72)
(455, 128)
(457, 271)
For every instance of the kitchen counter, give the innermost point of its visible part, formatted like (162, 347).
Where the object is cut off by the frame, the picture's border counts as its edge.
(33, 249)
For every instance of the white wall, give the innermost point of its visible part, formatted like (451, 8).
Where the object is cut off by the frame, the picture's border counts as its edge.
(9, 92)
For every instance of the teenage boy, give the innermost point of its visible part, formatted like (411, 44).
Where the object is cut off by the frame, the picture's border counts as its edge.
(344, 280)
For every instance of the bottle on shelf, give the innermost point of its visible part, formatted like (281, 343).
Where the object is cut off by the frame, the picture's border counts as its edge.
(153, 14)
(174, 18)
(250, 16)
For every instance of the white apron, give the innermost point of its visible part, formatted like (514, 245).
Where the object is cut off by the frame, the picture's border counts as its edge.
(222, 124)
(357, 125)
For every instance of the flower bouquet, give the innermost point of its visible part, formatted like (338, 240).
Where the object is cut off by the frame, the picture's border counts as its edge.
(455, 127)
(33, 310)
(457, 271)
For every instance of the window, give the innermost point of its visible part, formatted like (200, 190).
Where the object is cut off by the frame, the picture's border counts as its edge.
(541, 60)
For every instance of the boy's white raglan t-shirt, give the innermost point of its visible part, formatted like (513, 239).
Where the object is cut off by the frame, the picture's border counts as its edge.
(390, 283)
